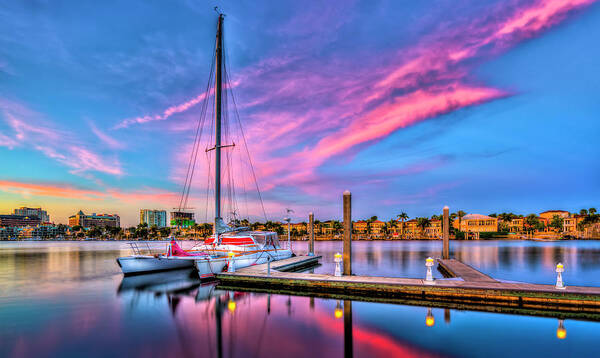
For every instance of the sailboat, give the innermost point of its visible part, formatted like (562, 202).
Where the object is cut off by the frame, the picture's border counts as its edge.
(229, 247)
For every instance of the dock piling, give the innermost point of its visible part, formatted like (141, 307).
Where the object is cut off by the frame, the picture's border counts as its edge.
(311, 233)
(446, 238)
(347, 252)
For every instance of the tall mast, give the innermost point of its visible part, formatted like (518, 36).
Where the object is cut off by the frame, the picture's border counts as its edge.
(218, 93)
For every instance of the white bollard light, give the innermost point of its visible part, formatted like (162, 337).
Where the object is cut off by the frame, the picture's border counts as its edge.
(429, 277)
(230, 262)
(338, 264)
(560, 285)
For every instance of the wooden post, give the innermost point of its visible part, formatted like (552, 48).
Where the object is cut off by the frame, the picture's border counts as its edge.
(347, 252)
(311, 234)
(446, 250)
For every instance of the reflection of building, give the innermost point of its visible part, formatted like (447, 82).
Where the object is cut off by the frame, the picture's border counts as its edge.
(182, 219)
(86, 221)
(153, 217)
(478, 223)
(19, 220)
(41, 214)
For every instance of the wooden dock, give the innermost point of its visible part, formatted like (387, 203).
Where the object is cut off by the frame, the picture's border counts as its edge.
(292, 264)
(455, 268)
(474, 290)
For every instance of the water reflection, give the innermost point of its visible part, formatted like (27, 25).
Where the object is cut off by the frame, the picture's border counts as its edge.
(71, 300)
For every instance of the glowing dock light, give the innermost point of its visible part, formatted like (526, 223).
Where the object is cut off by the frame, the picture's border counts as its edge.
(561, 332)
(338, 313)
(230, 262)
(429, 277)
(559, 281)
(429, 320)
(338, 264)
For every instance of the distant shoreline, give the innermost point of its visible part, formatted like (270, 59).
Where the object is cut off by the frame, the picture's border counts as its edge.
(316, 239)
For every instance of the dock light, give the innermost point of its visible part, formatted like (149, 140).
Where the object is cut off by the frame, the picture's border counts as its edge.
(561, 332)
(429, 277)
(337, 258)
(230, 262)
(231, 305)
(559, 281)
(429, 320)
(338, 313)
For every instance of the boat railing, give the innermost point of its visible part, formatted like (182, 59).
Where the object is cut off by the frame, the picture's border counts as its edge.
(141, 248)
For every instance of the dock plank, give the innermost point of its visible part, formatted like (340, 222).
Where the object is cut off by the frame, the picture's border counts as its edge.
(456, 268)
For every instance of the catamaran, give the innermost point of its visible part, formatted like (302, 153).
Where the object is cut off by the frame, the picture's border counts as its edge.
(229, 247)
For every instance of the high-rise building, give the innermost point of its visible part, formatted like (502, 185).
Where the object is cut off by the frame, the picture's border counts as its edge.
(153, 217)
(18, 220)
(87, 221)
(182, 219)
(41, 214)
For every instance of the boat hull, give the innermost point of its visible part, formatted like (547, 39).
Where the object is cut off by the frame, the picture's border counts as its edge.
(208, 267)
(135, 265)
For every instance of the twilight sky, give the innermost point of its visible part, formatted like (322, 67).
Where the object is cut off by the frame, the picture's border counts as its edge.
(485, 106)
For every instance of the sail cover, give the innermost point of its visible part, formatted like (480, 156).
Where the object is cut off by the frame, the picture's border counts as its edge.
(221, 227)
(176, 250)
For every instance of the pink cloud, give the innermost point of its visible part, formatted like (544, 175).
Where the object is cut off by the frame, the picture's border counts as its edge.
(338, 106)
(182, 107)
(30, 132)
(111, 142)
(71, 192)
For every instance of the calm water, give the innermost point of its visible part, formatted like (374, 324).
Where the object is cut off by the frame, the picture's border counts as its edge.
(66, 299)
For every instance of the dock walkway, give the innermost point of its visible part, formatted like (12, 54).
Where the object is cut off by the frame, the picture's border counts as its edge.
(475, 291)
(455, 268)
(291, 264)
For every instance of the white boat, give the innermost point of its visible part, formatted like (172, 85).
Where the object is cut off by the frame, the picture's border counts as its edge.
(228, 247)
(237, 250)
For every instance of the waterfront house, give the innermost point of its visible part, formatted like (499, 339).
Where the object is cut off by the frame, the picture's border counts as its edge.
(360, 227)
(479, 223)
(411, 229)
(377, 228)
(549, 214)
(434, 230)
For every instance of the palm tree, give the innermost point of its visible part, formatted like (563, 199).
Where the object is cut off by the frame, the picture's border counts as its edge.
(583, 212)
(423, 223)
(337, 227)
(402, 216)
(592, 211)
(460, 215)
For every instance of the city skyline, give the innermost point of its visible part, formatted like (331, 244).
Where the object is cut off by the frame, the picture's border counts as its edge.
(482, 106)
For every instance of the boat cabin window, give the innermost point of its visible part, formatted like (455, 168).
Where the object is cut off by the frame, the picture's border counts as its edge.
(266, 239)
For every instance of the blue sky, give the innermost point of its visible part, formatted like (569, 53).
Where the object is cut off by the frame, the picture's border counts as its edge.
(485, 106)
